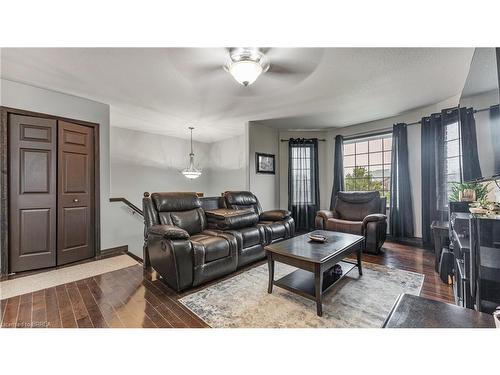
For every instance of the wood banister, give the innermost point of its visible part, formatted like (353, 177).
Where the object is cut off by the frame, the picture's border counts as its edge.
(129, 204)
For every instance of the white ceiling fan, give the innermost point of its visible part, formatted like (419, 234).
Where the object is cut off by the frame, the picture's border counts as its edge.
(276, 67)
(246, 64)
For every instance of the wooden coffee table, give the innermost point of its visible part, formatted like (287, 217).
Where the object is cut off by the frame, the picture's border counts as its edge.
(313, 259)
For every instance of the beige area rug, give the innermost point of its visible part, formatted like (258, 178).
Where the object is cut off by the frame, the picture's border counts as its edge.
(28, 284)
(356, 302)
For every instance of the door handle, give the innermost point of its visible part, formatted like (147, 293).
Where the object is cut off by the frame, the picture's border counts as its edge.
(75, 200)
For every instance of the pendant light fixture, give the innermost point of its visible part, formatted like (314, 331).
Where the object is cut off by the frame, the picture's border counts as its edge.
(191, 172)
(246, 64)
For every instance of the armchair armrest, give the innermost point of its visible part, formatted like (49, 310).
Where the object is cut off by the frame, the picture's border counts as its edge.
(322, 217)
(326, 214)
(274, 215)
(170, 232)
(374, 218)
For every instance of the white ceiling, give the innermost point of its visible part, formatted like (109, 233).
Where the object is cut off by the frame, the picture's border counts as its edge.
(483, 73)
(163, 90)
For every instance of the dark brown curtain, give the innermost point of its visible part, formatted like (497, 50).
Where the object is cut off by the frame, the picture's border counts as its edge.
(303, 182)
(434, 195)
(471, 170)
(338, 169)
(401, 203)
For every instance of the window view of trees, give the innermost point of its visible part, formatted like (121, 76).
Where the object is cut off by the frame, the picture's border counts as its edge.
(362, 180)
(367, 164)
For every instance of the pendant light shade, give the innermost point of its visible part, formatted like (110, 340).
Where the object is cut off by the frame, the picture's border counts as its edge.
(191, 171)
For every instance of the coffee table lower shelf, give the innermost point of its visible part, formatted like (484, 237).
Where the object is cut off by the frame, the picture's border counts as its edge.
(302, 282)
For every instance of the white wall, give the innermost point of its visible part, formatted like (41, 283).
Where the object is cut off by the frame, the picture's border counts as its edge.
(143, 162)
(228, 165)
(133, 162)
(150, 162)
(21, 96)
(264, 139)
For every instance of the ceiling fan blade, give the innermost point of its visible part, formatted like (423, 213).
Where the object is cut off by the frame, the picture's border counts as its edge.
(208, 69)
(283, 69)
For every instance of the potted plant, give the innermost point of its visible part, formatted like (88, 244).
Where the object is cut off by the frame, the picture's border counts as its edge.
(462, 189)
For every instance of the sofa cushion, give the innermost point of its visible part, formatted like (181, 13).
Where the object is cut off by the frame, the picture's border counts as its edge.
(275, 229)
(166, 202)
(251, 236)
(242, 200)
(214, 247)
(192, 221)
(355, 206)
(345, 226)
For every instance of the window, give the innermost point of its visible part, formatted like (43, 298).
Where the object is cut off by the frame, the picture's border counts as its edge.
(301, 175)
(453, 157)
(367, 164)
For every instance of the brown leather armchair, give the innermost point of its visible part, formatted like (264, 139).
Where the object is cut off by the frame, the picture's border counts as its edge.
(360, 213)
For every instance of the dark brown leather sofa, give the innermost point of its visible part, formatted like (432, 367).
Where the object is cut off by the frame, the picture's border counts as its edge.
(278, 224)
(357, 213)
(191, 240)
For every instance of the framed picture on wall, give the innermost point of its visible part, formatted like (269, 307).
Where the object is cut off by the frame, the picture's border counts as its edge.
(264, 163)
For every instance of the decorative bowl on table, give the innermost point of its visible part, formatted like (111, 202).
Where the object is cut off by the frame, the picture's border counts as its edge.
(316, 237)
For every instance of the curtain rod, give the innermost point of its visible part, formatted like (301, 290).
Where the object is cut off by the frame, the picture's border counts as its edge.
(319, 140)
(385, 130)
(380, 131)
(475, 111)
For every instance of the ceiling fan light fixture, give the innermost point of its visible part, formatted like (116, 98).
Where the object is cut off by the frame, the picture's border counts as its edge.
(246, 65)
(245, 72)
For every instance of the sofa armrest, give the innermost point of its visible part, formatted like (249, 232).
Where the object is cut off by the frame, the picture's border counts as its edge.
(170, 232)
(274, 215)
(171, 257)
(374, 218)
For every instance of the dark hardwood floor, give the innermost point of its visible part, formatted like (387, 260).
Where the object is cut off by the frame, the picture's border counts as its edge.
(131, 297)
(410, 258)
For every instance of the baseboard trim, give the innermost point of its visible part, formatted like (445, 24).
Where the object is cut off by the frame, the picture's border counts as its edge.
(134, 257)
(114, 250)
(120, 250)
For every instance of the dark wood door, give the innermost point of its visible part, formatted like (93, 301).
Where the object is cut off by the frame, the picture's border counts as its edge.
(75, 240)
(32, 192)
